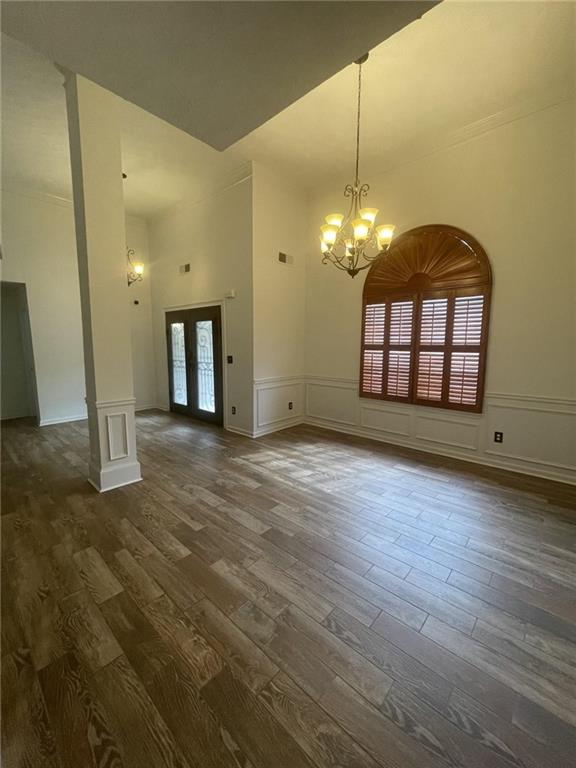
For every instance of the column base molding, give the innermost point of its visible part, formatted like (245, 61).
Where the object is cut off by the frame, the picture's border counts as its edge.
(113, 461)
(114, 477)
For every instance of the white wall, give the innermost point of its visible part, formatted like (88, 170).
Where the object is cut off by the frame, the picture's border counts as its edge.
(39, 249)
(17, 395)
(141, 317)
(279, 222)
(513, 189)
(215, 237)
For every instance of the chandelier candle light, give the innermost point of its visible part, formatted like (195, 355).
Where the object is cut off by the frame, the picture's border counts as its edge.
(347, 240)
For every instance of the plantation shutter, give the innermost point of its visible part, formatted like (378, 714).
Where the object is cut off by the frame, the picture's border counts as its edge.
(373, 348)
(468, 324)
(425, 315)
(432, 351)
(399, 349)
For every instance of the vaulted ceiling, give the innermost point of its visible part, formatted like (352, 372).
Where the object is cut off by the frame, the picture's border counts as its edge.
(217, 70)
(462, 68)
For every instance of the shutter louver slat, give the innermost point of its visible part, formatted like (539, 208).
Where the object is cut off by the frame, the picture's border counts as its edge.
(401, 322)
(464, 370)
(374, 319)
(399, 360)
(468, 317)
(398, 384)
(372, 371)
(433, 321)
(430, 375)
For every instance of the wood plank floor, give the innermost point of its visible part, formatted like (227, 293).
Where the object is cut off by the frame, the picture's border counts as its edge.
(306, 599)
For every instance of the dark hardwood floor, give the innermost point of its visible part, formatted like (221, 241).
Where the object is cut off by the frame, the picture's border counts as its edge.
(305, 599)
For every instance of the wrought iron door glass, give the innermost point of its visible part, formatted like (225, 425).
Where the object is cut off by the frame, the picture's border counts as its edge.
(179, 376)
(205, 366)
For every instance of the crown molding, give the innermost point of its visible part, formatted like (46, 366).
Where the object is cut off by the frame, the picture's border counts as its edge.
(419, 150)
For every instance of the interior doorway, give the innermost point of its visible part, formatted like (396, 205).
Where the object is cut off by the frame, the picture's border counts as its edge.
(18, 379)
(194, 341)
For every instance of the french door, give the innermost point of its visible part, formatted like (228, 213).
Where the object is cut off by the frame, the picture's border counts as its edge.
(194, 340)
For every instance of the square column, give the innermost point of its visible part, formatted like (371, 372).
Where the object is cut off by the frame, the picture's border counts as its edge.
(95, 153)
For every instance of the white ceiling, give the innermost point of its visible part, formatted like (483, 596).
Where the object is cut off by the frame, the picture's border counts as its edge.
(163, 164)
(217, 70)
(462, 63)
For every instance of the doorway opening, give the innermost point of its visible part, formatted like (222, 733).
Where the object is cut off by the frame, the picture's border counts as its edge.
(194, 341)
(19, 395)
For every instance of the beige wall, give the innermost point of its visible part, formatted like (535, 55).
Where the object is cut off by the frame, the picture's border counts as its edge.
(39, 249)
(513, 189)
(279, 225)
(215, 237)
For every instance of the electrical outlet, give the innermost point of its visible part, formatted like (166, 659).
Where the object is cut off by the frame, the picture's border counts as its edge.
(233, 410)
(290, 405)
(498, 437)
(229, 359)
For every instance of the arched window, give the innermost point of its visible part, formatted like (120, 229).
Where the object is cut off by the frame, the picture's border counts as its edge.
(425, 320)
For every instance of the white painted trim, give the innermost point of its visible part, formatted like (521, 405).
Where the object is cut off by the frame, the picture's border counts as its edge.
(62, 420)
(537, 462)
(265, 385)
(278, 381)
(239, 431)
(115, 477)
(381, 410)
(267, 430)
(35, 194)
(560, 401)
(442, 141)
(240, 175)
(475, 448)
(121, 419)
(549, 472)
(115, 403)
(278, 426)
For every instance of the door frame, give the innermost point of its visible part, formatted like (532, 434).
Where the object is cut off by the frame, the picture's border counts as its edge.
(223, 322)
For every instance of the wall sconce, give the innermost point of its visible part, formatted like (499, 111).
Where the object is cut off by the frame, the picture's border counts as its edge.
(135, 268)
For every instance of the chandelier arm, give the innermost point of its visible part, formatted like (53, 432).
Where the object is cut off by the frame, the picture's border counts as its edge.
(338, 264)
(338, 259)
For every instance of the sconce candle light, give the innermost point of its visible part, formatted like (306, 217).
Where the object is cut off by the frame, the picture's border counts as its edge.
(135, 268)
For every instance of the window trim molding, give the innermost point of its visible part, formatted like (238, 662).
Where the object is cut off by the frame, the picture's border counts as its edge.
(393, 278)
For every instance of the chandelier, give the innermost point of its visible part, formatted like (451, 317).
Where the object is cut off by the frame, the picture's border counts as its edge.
(348, 241)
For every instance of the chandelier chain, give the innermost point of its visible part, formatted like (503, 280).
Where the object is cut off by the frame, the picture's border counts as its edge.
(358, 124)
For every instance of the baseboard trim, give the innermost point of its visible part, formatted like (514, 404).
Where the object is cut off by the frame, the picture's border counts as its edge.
(268, 429)
(239, 431)
(64, 420)
(535, 469)
(149, 407)
(113, 477)
(278, 426)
